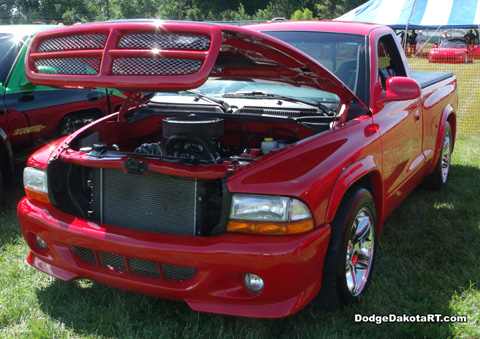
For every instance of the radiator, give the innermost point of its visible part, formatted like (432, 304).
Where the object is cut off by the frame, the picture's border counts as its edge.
(150, 202)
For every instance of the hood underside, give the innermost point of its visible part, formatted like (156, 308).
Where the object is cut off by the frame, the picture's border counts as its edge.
(156, 56)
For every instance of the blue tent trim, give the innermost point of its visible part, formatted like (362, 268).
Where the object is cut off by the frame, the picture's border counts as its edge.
(462, 13)
(418, 13)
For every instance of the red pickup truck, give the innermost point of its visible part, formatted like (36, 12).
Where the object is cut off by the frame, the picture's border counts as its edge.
(255, 182)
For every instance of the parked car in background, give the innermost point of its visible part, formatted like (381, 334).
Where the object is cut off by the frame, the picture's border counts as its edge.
(453, 51)
(256, 181)
(31, 115)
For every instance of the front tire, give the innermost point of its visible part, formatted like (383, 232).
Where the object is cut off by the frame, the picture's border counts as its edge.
(350, 257)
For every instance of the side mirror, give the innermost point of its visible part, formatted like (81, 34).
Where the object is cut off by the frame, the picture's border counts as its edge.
(400, 89)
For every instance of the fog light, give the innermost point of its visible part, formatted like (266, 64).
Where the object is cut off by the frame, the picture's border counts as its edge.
(253, 282)
(41, 243)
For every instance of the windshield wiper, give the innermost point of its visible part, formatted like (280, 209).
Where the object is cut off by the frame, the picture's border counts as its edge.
(262, 94)
(200, 95)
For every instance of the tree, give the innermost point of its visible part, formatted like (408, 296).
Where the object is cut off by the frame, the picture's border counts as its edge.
(71, 11)
(268, 13)
(18, 11)
(331, 9)
(305, 15)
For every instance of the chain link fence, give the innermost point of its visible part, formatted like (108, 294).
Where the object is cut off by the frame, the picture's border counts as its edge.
(452, 53)
(468, 80)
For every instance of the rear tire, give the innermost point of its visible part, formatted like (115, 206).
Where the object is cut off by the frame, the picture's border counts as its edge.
(439, 176)
(350, 256)
(72, 122)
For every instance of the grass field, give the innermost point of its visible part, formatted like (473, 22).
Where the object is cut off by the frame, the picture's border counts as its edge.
(468, 76)
(428, 262)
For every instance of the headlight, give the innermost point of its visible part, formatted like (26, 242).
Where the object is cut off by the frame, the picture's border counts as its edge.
(268, 215)
(259, 207)
(36, 184)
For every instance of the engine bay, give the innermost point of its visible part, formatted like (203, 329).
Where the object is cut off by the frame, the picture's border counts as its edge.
(198, 139)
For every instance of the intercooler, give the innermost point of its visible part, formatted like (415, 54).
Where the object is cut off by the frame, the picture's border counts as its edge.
(149, 202)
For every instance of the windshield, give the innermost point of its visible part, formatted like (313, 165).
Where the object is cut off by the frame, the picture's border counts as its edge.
(10, 46)
(221, 88)
(452, 45)
(342, 54)
(225, 89)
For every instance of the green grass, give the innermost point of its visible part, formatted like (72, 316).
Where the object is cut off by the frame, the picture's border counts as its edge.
(468, 114)
(428, 262)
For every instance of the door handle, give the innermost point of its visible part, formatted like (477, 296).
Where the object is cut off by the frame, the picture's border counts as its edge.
(93, 97)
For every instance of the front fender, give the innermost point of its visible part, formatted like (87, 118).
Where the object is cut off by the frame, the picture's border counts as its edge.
(348, 177)
(310, 168)
(40, 158)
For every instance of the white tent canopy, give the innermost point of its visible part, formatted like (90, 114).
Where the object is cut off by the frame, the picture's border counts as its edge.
(418, 13)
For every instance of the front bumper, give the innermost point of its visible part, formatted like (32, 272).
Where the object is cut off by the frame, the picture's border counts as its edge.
(290, 266)
(447, 59)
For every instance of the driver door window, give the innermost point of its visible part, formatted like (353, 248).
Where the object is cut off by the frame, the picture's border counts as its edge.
(389, 61)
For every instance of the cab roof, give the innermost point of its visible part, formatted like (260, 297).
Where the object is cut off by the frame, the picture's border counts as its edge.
(359, 28)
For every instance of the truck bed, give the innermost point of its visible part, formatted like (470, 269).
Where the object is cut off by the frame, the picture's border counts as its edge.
(425, 79)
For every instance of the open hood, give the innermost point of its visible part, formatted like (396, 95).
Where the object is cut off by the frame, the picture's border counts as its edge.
(156, 56)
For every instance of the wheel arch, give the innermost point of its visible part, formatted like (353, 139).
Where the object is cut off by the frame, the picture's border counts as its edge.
(95, 110)
(448, 115)
(116, 108)
(364, 173)
(98, 112)
(6, 155)
(452, 120)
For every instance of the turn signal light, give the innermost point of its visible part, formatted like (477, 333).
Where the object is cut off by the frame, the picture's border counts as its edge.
(270, 228)
(37, 195)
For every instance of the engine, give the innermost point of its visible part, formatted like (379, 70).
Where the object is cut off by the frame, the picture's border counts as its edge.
(190, 137)
(199, 138)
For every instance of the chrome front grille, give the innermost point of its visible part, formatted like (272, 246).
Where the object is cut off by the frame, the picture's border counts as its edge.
(155, 66)
(74, 42)
(70, 66)
(127, 265)
(171, 41)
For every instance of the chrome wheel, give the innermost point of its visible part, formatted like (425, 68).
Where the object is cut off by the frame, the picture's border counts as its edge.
(350, 258)
(446, 156)
(359, 254)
